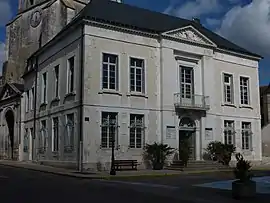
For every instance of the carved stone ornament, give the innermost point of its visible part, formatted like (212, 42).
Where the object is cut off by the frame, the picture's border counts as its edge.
(187, 123)
(189, 34)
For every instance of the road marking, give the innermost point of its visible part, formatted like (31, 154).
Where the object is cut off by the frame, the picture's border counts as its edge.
(141, 184)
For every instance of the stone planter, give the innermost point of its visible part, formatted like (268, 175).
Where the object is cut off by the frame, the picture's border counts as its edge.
(245, 189)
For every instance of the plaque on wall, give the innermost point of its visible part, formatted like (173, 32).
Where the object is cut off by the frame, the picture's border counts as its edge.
(170, 132)
(209, 133)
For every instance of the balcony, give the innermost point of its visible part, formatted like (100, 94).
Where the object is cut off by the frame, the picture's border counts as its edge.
(196, 102)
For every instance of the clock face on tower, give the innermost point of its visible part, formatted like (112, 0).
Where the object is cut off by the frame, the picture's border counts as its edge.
(35, 18)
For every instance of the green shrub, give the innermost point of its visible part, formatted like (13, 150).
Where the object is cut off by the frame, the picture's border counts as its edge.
(220, 152)
(157, 154)
(242, 170)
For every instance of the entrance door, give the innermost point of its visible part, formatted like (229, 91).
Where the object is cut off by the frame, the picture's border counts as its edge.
(186, 85)
(189, 136)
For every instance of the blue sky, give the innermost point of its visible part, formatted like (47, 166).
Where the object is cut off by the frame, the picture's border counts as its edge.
(245, 22)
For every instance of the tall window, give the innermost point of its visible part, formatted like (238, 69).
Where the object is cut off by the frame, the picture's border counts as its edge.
(56, 83)
(26, 141)
(229, 132)
(110, 72)
(246, 136)
(44, 88)
(32, 105)
(186, 82)
(244, 90)
(228, 88)
(70, 76)
(137, 75)
(27, 102)
(109, 129)
(136, 131)
(43, 139)
(55, 135)
(69, 135)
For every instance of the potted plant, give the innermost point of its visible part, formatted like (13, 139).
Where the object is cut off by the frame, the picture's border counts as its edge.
(157, 154)
(244, 186)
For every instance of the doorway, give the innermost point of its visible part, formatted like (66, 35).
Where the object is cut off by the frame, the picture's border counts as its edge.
(187, 134)
(10, 144)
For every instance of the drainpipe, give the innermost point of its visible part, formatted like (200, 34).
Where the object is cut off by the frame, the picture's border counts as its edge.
(80, 143)
(161, 87)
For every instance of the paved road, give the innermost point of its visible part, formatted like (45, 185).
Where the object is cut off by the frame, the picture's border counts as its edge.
(25, 186)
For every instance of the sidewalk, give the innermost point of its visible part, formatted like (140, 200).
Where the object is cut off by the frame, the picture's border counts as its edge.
(97, 175)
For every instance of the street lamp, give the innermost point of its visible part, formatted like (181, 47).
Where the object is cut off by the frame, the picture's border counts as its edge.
(113, 126)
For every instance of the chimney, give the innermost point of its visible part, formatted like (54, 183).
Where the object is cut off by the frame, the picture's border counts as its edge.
(196, 20)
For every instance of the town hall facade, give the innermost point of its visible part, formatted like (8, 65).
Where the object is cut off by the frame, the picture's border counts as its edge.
(118, 71)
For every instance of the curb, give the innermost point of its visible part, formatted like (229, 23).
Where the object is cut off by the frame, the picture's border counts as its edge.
(122, 177)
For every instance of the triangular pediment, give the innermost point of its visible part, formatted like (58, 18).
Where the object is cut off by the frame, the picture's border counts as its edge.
(8, 91)
(189, 33)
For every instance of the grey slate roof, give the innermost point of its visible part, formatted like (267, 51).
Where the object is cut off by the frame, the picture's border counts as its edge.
(149, 21)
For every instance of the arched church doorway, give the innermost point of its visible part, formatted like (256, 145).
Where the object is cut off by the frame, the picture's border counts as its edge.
(187, 136)
(10, 123)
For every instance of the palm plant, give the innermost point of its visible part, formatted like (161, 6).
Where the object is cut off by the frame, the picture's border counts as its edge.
(157, 154)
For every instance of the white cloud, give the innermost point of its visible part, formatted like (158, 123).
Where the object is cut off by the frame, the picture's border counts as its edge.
(5, 12)
(249, 26)
(195, 8)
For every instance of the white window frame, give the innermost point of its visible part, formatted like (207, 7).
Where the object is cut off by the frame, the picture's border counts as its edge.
(116, 74)
(44, 88)
(43, 139)
(137, 68)
(70, 75)
(55, 128)
(228, 86)
(246, 131)
(138, 125)
(244, 88)
(186, 84)
(109, 122)
(56, 83)
(69, 139)
(229, 131)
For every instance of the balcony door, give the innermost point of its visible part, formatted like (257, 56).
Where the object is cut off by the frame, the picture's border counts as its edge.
(186, 85)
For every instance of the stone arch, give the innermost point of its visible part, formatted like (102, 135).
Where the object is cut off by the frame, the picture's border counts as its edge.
(187, 122)
(10, 121)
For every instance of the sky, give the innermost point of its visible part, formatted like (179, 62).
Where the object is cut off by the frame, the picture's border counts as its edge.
(244, 22)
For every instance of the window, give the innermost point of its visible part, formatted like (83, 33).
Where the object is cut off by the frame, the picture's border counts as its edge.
(43, 144)
(56, 83)
(229, 132)
(186, 82)
(69, 135)
(110, 72)
(136, 131)
(228, 88)
(44, 88)
(55, 135)
(26, 141)
(137, 75)
(27, 101)
(32, 98)
(31, 2)
(246, 136)
(70, 76)
(31, 133)
(109, 129)
(244, 90)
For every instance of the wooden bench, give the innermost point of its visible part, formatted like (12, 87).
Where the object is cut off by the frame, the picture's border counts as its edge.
(121, 165)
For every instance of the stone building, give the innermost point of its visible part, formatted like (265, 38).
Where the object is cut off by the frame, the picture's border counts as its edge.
(265, 113)
(139, 76)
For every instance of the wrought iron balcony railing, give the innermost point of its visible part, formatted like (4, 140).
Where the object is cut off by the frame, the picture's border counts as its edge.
(199, 102)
